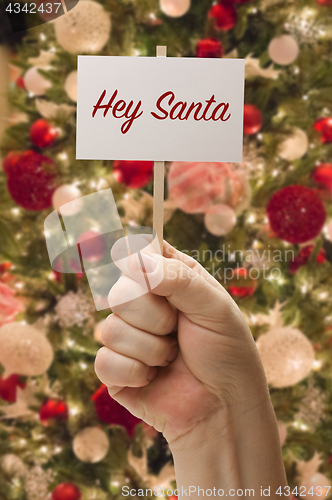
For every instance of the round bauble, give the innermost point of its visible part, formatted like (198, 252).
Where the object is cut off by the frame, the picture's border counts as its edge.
(24, 350)
(252, 119)
(20, 83)
(8, 387)
(66, 491)
(242, 283)
(295, 146)
(282, 428)
(287, 356)
(324, 127)
(323, 176)
(53, 409)
(97, 331)
(91, 445)
(32, 181)
(174, 8)
(65, 194)
(196, 187)
(42, 134)
(12, 465)
(283, 50)
(134, 174)
(220, 220)
(209, 47)
(36, 83)
(71, 86)
(11, 159)
(224, 16)
(111, 412)
(85, 29)
(93, 245)
(318, 484)
(303, 256)
(296, 214)
(329, 231)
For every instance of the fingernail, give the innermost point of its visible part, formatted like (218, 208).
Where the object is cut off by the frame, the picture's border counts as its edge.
(152, 373)
(173, 353)
(149, 263)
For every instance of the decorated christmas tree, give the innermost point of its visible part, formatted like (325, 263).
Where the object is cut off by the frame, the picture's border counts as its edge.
(260, 227)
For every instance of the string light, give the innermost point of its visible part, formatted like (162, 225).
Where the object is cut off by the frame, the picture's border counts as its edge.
(15, 211)
(317, 365)
(42, 36)
(251, 219)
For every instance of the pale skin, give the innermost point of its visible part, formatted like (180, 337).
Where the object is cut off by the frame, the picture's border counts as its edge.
(183, 359)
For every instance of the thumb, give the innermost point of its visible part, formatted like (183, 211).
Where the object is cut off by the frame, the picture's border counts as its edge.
(185, 284)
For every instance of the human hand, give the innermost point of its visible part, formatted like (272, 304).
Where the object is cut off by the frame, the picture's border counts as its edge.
(181, 353)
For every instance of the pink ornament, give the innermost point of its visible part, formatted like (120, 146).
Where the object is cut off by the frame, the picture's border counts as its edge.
(195, 187)
(9, 304)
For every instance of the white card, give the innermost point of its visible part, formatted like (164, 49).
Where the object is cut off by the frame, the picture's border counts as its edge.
(160, 108)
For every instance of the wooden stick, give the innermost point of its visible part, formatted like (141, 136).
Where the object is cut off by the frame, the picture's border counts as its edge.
(158, 183)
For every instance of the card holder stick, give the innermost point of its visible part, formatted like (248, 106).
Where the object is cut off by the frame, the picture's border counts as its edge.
(158, 183)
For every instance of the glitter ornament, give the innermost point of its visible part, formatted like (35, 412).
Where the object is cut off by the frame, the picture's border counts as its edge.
(32, 181)
(11, 159)
(53, 409)
(295, 146)
(287, 356)
(71, 86)
(66, 491)
(85, 29)
(324, 127)
(241, 284)
(282, 428)
(323, 176)
(303, 256)
(12, 465)
(97, 331)
(312, 407)
(196, 187)
(91, 445)
(209, 47)
(74, 309)
(174, 8)
(37, 482)
(296, 214)
(42, 134)
(310, 481)
(111, 412)
(252, 119)
(36, 83)
(64, 194)
(224, 16)
(8, 387)
(220, 220)
(283, 50)
(134, 174)
(24, 350)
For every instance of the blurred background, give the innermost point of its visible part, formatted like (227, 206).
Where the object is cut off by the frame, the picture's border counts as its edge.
(261, 227)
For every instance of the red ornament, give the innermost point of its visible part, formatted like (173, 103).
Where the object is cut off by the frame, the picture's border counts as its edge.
(11, 159)
(93, 246)
(224, 16)
(66, 491)
(330, 459)
(303, 256)
(296, 214)
(134, 174)
(209, 47)
(8, 387)
(53, 409)
(326, 3)
(252, 119)
(42, 134)
(20, 83)
(110, 411)
(242, 285)
(323, 176)
(32, 181)
(324, 127)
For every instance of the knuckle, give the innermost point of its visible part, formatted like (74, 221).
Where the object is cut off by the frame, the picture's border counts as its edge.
(112, 331)
(136, 372)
